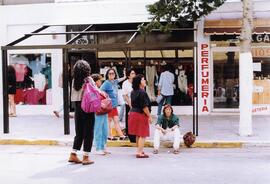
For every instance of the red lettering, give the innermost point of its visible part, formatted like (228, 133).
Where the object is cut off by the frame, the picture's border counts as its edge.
(205, 88)
(205, 60)
(204, 46)
(205, 109)
(205, 81)
(205, 74)
(205, 102)
(204, 53)
(205, 94)
(204, 67)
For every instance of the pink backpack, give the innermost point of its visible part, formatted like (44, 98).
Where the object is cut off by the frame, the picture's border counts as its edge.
(91, 101)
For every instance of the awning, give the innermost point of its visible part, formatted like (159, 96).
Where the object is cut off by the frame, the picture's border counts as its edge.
(233, 27)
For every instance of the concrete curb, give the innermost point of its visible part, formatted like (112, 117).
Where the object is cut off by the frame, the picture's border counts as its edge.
(199, 144)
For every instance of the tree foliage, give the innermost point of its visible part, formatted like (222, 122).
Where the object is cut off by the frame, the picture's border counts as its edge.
(167, 14)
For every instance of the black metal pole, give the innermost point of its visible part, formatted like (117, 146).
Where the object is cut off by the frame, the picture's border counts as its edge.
(194, 94)
(65, 93)
(5, 91)
(197, 96)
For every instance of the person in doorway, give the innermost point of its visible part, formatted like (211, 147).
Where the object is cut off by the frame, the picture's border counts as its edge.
(101, 125)
(126, 90)
(11, 91)
(139, 116)
(167, 126)
(110, 86)
(84, 122)
(165, 87)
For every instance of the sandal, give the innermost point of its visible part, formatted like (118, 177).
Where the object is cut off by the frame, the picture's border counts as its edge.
(155, 151)
(142, 155)
(176, 151)
(112, 139)
(123, 138)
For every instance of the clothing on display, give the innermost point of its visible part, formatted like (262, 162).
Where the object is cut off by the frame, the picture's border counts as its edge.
(40, 81)
(150, 77)
(20, 70)
(182, 81)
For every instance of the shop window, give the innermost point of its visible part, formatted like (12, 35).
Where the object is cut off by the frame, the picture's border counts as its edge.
(261, 74)
(33, 78)
(226, 79)
(182, 69)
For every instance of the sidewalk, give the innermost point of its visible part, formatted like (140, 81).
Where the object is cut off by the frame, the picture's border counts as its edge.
(214, 131)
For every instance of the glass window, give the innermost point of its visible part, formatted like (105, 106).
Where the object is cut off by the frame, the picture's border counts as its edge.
(33, 78)
(226, 79)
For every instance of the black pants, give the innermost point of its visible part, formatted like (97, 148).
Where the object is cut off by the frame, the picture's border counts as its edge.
(132, 138)
(84, 129)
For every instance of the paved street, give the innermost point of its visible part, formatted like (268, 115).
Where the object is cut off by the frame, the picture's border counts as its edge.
(48, 164)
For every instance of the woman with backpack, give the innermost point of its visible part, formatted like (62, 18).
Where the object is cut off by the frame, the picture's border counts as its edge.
(84, 122)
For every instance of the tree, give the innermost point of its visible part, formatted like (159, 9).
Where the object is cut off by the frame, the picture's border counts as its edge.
(167, 14)
(246, 70)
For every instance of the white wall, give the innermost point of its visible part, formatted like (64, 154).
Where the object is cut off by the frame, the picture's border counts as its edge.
(16, 20)
(15, 31)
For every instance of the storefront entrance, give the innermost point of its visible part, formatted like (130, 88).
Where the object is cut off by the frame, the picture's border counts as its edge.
(225, 80)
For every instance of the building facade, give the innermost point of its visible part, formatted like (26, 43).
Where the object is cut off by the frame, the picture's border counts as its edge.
(216, 56)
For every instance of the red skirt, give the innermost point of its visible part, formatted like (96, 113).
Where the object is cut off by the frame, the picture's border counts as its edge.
(138, 124)
(113, 112)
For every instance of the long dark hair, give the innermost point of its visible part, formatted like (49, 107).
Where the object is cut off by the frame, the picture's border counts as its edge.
(81, 71)
(137, 81)
(107, 73)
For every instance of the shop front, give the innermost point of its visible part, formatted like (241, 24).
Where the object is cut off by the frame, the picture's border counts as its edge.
(224, 39)
(103, 47)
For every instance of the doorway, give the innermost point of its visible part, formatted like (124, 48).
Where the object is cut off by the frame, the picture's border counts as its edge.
(225, 80)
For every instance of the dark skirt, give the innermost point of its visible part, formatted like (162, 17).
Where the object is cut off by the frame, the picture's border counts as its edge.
(138, 124)
(12, 90)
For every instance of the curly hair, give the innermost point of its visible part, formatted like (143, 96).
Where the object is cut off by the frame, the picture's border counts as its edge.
(81, 70)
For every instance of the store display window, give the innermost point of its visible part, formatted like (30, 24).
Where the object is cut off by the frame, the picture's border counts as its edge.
(33, 78)
(261, 76)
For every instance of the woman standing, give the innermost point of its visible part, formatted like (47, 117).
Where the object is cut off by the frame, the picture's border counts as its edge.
(139, 116)
(84, 122)
(11, 90)
(110, 86)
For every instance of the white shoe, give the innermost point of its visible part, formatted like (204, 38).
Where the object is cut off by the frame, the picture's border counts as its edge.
(100, 152)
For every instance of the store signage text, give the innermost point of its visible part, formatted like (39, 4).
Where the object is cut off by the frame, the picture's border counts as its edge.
(261, 38)
(205, 75)
(260, 52)
(260, 109)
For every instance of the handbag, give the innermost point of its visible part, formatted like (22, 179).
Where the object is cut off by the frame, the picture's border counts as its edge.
(189, 139)
(106, 106)
(91, 101)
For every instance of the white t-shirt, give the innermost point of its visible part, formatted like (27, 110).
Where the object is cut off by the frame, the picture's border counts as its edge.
(127, 88)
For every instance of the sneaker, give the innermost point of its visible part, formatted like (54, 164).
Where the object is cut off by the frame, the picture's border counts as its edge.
(100, 152)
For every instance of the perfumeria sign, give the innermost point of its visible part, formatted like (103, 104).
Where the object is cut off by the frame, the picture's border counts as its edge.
(204, 63)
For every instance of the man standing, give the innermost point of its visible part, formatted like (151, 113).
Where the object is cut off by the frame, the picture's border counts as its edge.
(165, 87)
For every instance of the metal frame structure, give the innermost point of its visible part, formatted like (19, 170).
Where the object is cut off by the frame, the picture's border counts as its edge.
(125, 47)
